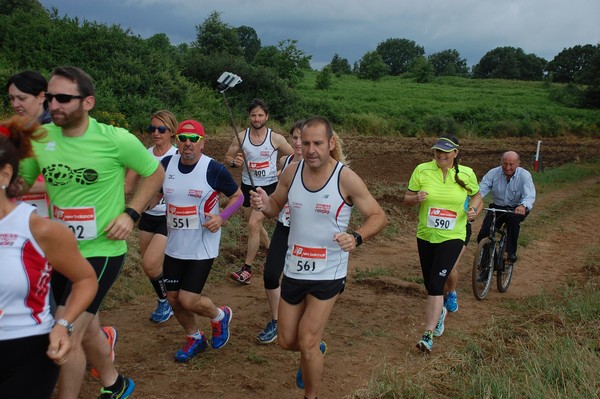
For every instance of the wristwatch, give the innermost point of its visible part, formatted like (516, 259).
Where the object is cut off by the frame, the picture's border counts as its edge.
(132, 214)
(232, 164)
(65, 324)
(357, 237)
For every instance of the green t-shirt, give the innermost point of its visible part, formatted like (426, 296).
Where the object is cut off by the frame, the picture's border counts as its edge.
(85, 179)
(442, 215)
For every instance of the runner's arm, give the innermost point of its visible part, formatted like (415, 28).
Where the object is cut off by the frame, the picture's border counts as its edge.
(60, 248)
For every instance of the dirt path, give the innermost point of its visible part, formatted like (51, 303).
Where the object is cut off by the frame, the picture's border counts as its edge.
(377, 320)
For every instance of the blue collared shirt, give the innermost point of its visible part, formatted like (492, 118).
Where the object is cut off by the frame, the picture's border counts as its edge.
(519, 190)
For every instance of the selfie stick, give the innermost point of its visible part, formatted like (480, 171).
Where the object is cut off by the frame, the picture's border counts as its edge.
(226, 81)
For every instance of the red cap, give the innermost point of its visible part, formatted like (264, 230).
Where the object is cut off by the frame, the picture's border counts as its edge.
(4, 130)
(197, 127)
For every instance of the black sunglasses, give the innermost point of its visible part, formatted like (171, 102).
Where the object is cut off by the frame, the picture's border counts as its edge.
(161, 129)
(61, 98)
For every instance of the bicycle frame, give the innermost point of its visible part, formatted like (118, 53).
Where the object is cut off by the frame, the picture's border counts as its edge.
(490, 259)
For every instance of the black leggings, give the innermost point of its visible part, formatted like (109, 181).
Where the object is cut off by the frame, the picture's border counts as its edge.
(276, 256)
(437, 261)
(25, 369)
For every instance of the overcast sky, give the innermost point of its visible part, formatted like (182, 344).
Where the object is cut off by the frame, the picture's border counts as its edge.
(351, 28)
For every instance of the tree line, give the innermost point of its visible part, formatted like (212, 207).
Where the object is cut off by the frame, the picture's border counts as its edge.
(135, 76)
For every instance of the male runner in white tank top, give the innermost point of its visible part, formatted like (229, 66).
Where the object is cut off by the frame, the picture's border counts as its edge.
(262, 148)
(320, 192)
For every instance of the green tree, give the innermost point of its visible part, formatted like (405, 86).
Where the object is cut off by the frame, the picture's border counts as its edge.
(340, 66)
(568, 65)
(214, 37)
(249, 42)
(323, 81)
(371, 66)
(448, 63)
(421, 69)
(398, 53)
(510, 63)
(286, 59)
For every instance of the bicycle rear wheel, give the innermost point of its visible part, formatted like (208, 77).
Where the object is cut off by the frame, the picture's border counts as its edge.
(483, 269)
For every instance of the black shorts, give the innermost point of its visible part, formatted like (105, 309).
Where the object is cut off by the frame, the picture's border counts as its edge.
(276, 256)
(107, 270)
(153, 224)
(186, 274)
(25, 370)
(246, 191)
(293, 291)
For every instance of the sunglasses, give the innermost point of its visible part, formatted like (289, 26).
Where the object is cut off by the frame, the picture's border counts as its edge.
(161, 129)
(61, 98)
(194, 138)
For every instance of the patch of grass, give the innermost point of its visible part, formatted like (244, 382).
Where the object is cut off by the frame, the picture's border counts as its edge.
(389, 383)
(255, 358)
(362, 274)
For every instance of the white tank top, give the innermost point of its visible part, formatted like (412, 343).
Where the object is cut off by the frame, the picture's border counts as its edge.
(315, 217)
(262, 161)
(188, 197)
(25, 281)
(160, 208)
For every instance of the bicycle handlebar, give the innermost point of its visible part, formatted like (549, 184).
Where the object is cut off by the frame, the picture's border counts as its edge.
(498, 210)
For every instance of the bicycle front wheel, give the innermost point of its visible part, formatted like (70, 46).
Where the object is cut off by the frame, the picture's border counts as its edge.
(504, 276)
(483, 269)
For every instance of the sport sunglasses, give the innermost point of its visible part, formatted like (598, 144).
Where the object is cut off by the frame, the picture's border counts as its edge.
(61, 98)
(161, 129)
(194, 138)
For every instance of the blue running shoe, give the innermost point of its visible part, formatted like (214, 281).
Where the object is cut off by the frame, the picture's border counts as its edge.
(162, 313)
(191, 348)
(299, 380)
(426, 342)
(451, 302)
(269, 334)
(124, 393)
(439, 329)
(220, 329)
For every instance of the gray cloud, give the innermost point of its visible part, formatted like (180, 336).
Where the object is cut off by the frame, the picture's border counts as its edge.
(351, 28)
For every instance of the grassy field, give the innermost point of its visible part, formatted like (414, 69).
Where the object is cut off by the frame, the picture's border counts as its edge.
(466, 107)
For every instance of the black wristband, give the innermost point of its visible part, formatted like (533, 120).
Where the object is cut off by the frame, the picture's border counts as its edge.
(232, 164)
(132, 214)
(357, 237)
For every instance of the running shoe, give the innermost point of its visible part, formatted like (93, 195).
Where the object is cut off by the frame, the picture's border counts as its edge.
(124, 393)
(242, 276)
(451, 302)
(439, 328)
(269, 334)
(191, 348)
(299, 380)
(426, 342)
(162, 313)
(220, 329)
(111, 335)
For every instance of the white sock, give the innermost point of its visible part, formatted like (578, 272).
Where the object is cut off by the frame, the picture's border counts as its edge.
(220, 316)
(196, 335)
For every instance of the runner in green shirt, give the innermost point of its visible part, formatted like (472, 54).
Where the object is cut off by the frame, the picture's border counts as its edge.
(440, 187)
(84, 163)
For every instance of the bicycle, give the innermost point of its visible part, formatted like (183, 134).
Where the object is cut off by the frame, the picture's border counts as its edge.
(490, 257)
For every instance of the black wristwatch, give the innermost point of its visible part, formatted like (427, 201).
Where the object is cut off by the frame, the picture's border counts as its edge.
(65, 324)
(357, 237)
(132, 214)
(232, 164)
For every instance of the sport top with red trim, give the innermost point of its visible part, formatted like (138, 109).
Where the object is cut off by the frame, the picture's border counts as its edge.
(24, 278)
